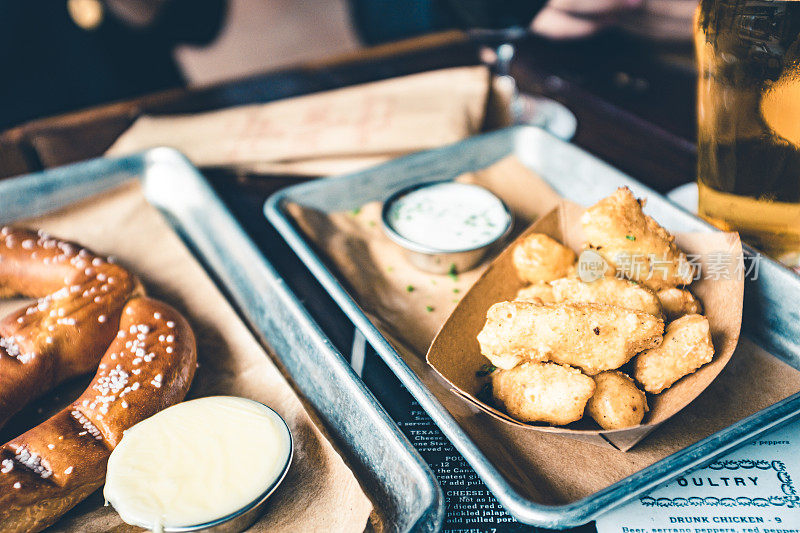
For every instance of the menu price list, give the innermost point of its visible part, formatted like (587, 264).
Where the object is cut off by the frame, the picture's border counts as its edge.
(751, 490)
(719, 523)
(470, 505)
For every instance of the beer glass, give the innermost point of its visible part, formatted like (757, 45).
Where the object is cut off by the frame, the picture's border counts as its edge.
(748, 54)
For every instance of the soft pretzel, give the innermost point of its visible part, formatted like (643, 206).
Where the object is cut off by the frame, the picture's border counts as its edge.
(65, 332)
(90, 315)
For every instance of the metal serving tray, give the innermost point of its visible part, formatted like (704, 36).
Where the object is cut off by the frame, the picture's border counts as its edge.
(770, 301)
(400, 484)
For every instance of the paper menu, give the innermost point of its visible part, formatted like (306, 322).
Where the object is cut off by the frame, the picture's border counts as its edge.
(752, 490)
(328, 132)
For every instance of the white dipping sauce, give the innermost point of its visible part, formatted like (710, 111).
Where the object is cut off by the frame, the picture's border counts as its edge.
(196, 462)
(449, 217)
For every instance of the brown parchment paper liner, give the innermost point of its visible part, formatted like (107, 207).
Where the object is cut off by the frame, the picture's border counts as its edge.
(546, 468)
(389, 288)
(456, 355)
(328, 132)
(319, 493)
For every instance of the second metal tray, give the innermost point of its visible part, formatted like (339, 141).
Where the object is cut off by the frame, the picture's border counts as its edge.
(584, 179)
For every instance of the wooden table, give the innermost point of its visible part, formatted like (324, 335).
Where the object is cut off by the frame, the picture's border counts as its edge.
(634, 110)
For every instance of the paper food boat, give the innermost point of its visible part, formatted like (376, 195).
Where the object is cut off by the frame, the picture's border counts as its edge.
(455, 353)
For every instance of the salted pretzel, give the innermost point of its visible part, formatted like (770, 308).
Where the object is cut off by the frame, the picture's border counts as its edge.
(91, 314)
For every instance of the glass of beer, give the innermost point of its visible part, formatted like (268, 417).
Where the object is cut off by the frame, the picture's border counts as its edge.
(748, 54)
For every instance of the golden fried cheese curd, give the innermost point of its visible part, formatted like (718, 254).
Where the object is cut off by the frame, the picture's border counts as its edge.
(537, 292)
(593, 337)
(617, 402)
(539, 258)
(635, 244)
(686, 347)
(678, 302)
(543, 392)
(608, 290)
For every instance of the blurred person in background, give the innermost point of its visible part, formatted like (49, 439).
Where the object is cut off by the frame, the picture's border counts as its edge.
(63, 55)
(662, 20)
(57, 56)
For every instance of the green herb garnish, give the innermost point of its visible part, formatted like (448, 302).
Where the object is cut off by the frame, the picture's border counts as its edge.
(456, 290)
(409, 288)
(453, 273)
(630, 237)
(429, 308)
(485, 370)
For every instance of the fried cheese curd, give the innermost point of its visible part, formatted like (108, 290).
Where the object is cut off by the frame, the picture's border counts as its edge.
(543, 392)
(686, 347)
(538, 293)
(608, 290)
(539, 258)
(617, 402)
(679, 302)
(593, 337)
(635, 244)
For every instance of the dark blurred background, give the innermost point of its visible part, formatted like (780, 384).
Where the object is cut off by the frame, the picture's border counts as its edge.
(62, 55)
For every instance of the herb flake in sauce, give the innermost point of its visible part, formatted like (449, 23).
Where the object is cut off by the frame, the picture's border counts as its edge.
(449, 216)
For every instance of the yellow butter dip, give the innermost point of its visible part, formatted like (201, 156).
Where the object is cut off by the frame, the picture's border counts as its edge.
(197, 462)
